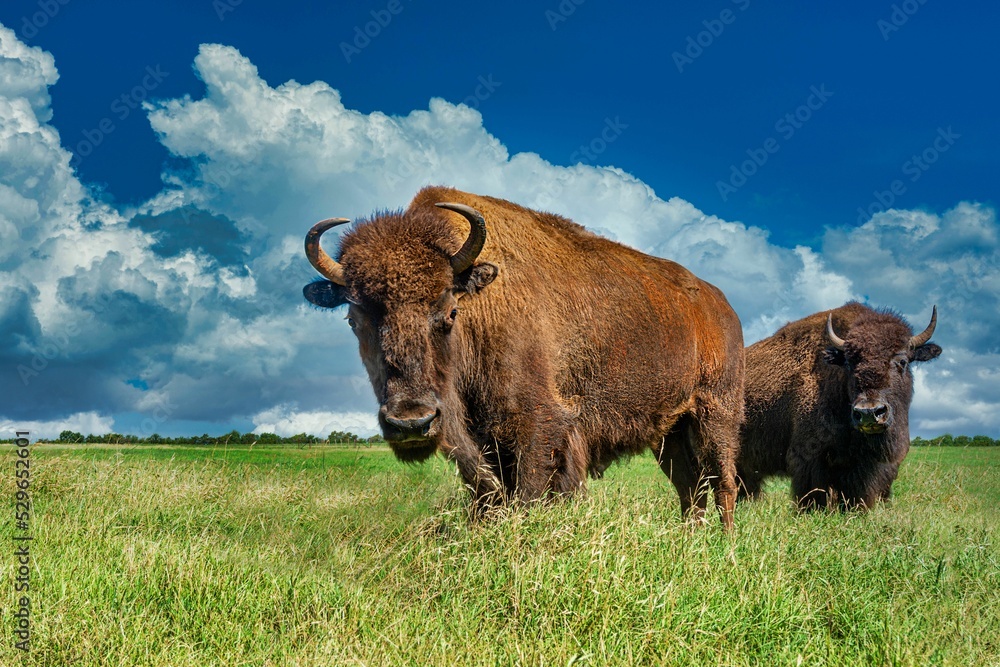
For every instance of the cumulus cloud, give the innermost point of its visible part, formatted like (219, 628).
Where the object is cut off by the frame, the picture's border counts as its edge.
(958, 394)
(89, 303)
(81, 422)
(284, 420)
(26, 73)
(914, 259)
(193, 299)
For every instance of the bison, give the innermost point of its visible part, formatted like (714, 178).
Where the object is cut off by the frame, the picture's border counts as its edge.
(827, 401)
(537, 352)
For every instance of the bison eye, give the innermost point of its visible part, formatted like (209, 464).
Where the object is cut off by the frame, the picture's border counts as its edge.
(350, 322)
(445, 323)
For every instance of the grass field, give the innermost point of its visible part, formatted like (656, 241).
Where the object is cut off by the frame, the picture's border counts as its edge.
(333, 556)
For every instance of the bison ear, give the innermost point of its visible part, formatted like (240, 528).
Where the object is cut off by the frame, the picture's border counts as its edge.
(324, 294)
(925, 352)
(834, 357)
(476, 278)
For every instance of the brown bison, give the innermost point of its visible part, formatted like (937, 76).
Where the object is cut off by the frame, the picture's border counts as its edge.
(538, 351)
(827, 401)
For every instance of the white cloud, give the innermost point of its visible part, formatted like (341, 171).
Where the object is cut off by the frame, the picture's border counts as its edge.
(81, 422)
(88, 303)
(913, 259)
(284, 420)
(26, 73)
(959, 393)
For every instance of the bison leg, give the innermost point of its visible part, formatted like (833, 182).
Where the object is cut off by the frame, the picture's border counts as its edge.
(748, 486)
(813, 489)
(677, 461)
(863, 487)
(814, 498)
(551, 455)
(889, 471)
(481, 476)
(716, 438)
(554, 462)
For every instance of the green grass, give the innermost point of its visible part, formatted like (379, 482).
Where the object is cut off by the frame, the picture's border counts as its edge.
(332, 556)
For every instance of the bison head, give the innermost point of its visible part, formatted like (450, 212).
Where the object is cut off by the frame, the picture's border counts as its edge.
(403, 282)
(877, 353)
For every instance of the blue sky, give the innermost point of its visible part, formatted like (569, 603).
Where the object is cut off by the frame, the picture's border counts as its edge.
(750, 142)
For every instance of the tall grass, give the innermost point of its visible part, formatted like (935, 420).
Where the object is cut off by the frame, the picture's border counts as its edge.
(183, 556)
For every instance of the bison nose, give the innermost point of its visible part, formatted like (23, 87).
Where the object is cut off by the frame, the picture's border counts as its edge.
(411, 423)
(407, 421)
(871, 415)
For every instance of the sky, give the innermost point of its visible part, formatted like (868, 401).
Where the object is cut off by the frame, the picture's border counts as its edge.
(160, 163)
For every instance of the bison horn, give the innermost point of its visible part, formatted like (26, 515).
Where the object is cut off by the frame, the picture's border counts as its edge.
(926, 334)
(835, 340)
(468, 253)
(329, 268)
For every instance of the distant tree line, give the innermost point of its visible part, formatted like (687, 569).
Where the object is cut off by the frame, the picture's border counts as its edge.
(234, 437)
(948, 440)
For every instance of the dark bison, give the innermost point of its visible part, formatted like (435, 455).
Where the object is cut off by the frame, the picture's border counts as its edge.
(827, 401)
(537, 352)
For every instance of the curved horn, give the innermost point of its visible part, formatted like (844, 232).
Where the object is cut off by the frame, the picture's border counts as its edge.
(835, 340)
(926, 334)
(326, 265)
(468, 253)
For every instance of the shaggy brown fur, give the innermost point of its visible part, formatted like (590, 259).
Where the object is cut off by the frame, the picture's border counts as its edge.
(800, 396)
(556, 353)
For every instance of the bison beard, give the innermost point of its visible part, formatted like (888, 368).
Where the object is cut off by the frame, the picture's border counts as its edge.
(827, 402)
(538, 351)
